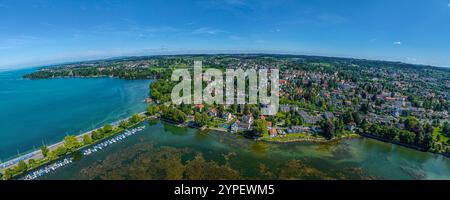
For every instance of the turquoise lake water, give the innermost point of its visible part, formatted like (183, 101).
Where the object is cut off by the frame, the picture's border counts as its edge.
(33, 112)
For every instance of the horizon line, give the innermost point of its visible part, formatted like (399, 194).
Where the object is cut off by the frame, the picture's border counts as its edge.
(50, 64)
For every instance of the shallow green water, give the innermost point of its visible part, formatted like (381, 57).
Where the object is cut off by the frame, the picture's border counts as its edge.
(163, 151)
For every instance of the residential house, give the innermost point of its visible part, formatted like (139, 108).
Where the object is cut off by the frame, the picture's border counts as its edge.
(227, 116)
(234, 127)
(316, 129)
(199, 107)
(281, 132)
(309, 119)
(298, 129)
(273, 132)
(328, 115)
(285, 108)
(248, 119)
(351, 126)
(212, 112)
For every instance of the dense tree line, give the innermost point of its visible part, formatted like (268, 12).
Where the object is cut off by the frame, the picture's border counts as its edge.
(173, 114)
(414, 133)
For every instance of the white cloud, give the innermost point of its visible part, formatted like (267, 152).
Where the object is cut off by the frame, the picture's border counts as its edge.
(231, 6)
(449, 5)
(276, 31)
(206, 30)
(161, 29)
(398, 43)
(236, 2)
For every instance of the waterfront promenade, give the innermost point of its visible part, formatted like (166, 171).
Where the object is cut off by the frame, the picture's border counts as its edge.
(37, 154)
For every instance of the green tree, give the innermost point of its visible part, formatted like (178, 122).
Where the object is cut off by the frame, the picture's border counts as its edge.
(97, 134)
(21, 167)
(234, 108)
(173, 114)
(328, 129)
(61, 150)
(44, 151)
(221, 110)
(8, 174)
(429, 128)
(365, 125)
(108, 128)
(71, 143)
(407, 137)
(124, 124)
(357, 118)
(428, 141)
(181, 116)
(152, 110)
(348, 117)
(261, 127)
(31, 162)
(185, 108)
(411, 123)
(246, 109)
(364, 108)
(87, 139)
(135, 119)
(201, 119)
(446, 129)
(339, 124)
(288, 122)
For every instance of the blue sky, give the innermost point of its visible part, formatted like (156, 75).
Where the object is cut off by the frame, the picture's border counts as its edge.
(39, 32)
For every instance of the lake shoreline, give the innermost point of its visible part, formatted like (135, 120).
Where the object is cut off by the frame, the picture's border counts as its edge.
(38, 155)
(221, 130)
(312, 140)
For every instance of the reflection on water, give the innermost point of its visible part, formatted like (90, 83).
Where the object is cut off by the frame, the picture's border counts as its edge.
(259, 147)
(164, 151)
(201, 135)
(175, 130)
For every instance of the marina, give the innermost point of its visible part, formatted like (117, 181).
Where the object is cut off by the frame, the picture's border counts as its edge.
(115, 139)
(48, 169)
(85, 152)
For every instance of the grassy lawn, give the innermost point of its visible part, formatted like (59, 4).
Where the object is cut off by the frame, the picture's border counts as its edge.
(306, 136)
(292, 137)
(438, 133)
(215, 122)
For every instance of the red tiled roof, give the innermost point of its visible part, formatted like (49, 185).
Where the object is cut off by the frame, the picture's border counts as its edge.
(273, 131)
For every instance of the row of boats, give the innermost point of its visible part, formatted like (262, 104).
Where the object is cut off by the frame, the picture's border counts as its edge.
(61, 163)
(118, 138)
(48, 169)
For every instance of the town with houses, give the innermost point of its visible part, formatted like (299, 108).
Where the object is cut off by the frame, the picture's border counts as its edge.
(330, 98)
(321, 99)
